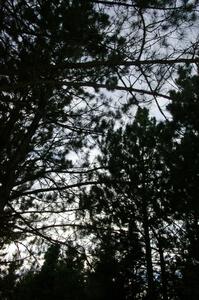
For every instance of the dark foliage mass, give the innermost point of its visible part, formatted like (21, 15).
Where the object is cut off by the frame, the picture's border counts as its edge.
(99, 198)
(148, 206)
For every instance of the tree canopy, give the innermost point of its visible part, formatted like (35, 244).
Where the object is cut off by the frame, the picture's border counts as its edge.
(99, 149)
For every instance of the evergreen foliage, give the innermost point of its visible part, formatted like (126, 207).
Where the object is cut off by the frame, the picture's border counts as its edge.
(124, 225)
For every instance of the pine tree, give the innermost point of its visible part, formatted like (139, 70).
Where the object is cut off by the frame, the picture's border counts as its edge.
(56, 58)
(132, 202)
(62, 276)
(184, 175)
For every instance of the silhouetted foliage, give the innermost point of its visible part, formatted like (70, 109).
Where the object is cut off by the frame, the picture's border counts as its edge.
(124, 225)
(61, 277)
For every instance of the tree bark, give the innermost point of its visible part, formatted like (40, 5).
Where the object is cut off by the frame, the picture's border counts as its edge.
(163, 270)
(151, 293)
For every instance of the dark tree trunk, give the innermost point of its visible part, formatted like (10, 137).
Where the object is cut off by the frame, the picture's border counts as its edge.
(151, 293)
(163, 271)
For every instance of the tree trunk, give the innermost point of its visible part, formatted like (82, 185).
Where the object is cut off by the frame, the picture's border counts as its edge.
(163, 271)
(151, 293)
